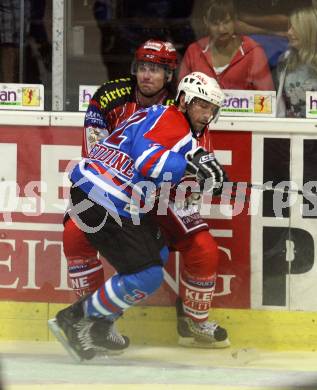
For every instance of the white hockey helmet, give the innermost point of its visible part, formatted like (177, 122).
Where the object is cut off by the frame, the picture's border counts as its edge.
(197, 84)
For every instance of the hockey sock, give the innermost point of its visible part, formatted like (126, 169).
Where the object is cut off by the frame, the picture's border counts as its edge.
(197, 293)
(86, 275)
(85, 270)
(123, 291)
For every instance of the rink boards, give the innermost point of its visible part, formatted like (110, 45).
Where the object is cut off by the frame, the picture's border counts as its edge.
(263, 329)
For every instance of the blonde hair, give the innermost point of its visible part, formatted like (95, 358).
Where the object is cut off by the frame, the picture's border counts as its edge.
(304, 23)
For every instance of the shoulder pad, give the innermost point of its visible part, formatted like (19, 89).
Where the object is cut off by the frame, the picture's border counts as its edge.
(114, 93)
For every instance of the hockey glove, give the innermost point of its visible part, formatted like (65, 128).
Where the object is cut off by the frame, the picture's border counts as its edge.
(206, 170)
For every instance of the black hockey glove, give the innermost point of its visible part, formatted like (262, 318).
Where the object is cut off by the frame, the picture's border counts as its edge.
(206, 170)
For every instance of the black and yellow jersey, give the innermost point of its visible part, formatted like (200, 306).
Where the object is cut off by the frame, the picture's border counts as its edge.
(112, 103)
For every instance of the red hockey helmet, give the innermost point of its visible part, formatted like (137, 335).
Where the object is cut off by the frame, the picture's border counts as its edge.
(158, 52)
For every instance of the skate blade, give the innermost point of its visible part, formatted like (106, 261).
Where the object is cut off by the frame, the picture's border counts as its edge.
(191, 342)
(59, 334)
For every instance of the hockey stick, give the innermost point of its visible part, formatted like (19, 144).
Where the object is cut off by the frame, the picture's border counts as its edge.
(233, 196)
(232, 190)
(264, 187)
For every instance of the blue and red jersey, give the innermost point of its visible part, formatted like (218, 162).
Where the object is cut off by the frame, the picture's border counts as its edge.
(125, 168)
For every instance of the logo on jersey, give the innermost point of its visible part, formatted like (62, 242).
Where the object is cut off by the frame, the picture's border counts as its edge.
(94, 118)
(116, 93)
(114, 159)
(136, 297)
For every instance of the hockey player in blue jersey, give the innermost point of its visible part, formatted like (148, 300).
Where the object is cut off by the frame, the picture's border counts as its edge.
(110, 194)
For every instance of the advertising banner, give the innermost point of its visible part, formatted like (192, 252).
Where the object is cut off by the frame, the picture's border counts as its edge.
(86, 92)
(311, 104)
(284, 234)
(249, 103)
(22, 97)
(34, 189)
(237, 102)
(33, 199)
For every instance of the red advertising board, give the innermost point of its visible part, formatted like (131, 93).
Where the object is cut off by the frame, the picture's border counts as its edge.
(34, 196)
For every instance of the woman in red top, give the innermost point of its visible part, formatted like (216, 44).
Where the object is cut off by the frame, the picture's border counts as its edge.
(236, 62)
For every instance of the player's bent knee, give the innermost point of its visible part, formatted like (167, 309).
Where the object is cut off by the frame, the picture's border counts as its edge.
(200, 254)
(75, 243)
(203, 242)
(147, 280)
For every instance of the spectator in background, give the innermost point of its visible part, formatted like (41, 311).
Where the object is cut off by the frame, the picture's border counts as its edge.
(236, 62)
(38, 51)
(266, 22)
(10, 21)
(124, 25)
(297, 68)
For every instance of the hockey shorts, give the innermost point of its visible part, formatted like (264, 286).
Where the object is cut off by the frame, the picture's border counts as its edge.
(128, 248)
(180, 222)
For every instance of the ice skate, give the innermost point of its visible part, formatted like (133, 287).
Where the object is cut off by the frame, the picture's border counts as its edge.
(199, 334)
(84, 338)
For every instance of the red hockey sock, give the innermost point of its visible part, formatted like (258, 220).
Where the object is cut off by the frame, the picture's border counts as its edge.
(85, 270)
(198, 279)
(197, 293)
